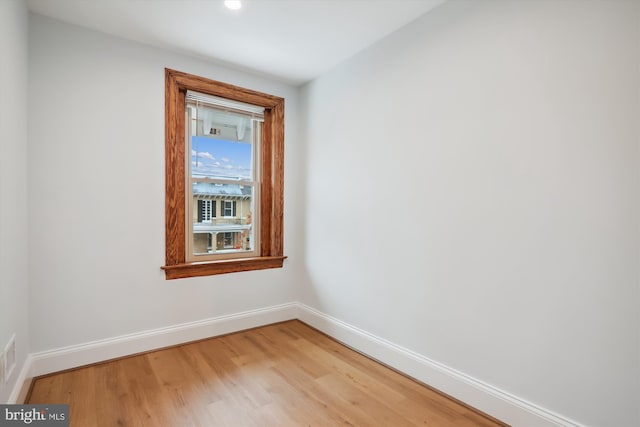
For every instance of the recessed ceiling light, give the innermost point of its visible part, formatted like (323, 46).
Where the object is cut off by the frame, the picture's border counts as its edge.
(233, 4)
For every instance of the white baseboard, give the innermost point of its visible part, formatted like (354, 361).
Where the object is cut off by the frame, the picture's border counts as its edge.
(49, 361)
(491, 400)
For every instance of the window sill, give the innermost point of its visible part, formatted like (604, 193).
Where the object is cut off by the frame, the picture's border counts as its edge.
(210, 268)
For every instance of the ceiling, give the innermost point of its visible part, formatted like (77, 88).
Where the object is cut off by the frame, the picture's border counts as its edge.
(291, 40)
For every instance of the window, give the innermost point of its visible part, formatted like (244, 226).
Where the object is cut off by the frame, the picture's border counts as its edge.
(224, 177)
(223, 148)
(229, 240)
(206, 210)
(229, 208)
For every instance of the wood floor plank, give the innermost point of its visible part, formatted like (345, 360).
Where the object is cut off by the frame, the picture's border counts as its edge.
(286, 374)
(348, 372)
(412, 390)
(315, 403)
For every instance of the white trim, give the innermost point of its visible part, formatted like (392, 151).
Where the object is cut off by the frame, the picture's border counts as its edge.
(73, 356)
(487, 398)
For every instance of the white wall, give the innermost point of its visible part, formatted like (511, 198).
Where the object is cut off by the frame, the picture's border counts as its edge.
(13, 183)
(515, 135)
(96, 189)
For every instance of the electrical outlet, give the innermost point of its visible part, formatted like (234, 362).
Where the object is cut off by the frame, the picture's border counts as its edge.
(9, 358)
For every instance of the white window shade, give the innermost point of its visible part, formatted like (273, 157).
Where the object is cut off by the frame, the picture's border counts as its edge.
(254, 111)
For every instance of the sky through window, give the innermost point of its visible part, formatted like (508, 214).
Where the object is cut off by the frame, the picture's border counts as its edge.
(219, 158)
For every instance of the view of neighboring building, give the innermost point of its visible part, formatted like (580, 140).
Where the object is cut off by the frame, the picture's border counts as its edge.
(221, 217)
(221, 174)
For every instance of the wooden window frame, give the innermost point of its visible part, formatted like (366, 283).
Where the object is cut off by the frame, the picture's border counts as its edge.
(271, 178)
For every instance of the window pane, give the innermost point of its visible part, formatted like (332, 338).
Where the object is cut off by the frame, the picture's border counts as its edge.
(221, 144)
(222, 220)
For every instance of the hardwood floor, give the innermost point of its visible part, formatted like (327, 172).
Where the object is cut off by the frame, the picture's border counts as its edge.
(286, 374)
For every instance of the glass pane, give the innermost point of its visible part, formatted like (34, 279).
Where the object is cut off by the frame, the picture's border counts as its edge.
(222, 218)
(221, 144)
(223, 147)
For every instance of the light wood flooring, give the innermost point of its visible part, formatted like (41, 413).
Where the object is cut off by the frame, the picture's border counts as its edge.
(286, 374)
